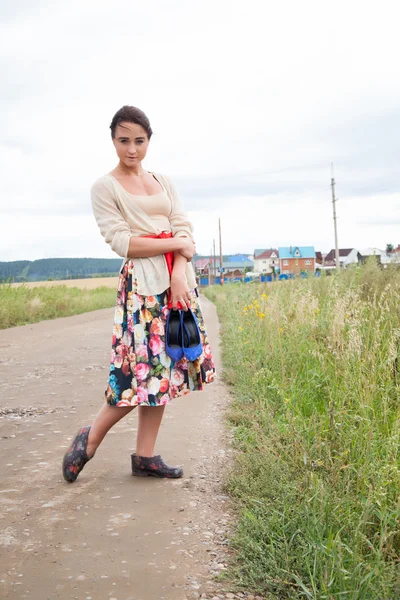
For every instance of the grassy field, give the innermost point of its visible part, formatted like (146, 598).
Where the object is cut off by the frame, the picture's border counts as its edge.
(314, 369)
(37, 301)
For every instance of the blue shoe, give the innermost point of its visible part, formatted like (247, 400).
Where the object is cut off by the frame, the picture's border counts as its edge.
(192, 346)
(173, 335)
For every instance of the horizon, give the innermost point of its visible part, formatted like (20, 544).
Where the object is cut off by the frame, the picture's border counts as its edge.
(201, 256)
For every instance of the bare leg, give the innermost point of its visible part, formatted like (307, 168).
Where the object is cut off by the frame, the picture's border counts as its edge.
(105, 419)
(150, 418)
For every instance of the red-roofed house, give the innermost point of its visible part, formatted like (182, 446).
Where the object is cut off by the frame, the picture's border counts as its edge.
(346, 257)
(201, 265)
(265, 260)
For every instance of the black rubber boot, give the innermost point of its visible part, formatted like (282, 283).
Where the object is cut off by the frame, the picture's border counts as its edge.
(76, 458)
(154, 466)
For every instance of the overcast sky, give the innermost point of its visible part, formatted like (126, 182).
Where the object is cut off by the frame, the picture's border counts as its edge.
(249, 101)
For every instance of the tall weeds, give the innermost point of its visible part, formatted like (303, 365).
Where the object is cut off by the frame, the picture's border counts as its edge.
(314, 369)
(23, 304)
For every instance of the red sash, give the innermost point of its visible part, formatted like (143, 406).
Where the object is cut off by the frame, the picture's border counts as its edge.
(169, 257)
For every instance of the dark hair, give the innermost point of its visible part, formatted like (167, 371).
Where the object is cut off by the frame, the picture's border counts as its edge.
(131, 114)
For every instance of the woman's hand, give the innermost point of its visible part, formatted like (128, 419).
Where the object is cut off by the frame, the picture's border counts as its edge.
(188, 249)
(179, 291)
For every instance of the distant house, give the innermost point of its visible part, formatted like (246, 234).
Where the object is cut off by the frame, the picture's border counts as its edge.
(394, 256)
(235, 268)
(318, 258)
(201, 265)
(294, 260)
(259, 251)
(265, 261)
(382, 258)
(237, 258)
(347, 256)
(233, 263)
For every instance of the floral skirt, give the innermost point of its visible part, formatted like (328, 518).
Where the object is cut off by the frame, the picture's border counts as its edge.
(141, 373)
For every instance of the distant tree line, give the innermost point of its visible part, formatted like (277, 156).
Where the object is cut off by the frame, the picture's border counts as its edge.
(46, 269)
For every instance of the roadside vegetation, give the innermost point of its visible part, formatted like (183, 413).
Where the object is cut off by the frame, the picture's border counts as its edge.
(22, 305)
(314, 370)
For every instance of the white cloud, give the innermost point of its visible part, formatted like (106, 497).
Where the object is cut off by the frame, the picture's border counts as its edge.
(250, 102)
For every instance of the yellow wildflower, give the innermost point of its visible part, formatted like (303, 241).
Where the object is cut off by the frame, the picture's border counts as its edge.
(280, 328)
(265, 296)
(262, 315)
(240, 328)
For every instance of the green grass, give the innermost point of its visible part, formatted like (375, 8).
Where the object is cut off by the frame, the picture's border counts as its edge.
(22, 305)
(314, 371)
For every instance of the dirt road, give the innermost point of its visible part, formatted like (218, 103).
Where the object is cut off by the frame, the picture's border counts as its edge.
(109, 535)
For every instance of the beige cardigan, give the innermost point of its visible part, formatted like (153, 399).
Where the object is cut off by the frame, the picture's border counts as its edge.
(119, 218)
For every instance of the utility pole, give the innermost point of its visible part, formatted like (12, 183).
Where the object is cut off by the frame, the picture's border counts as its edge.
(221, 275)
(214, 266)
(209, 271)
(334, 200)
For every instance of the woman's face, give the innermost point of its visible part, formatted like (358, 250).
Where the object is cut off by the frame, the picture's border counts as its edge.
(131, 143)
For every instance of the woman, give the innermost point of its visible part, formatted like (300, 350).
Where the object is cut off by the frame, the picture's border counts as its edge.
(140, 215)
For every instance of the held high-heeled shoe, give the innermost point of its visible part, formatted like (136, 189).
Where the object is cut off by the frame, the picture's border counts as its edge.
(173, 335)
(192, 346)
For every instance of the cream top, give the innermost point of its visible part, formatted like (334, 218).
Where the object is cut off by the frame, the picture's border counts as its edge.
(157, 207)
(120, 215)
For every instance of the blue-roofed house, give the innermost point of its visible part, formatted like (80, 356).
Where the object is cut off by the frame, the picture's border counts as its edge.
(296, 259)
(238, 258)
(235, 265)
